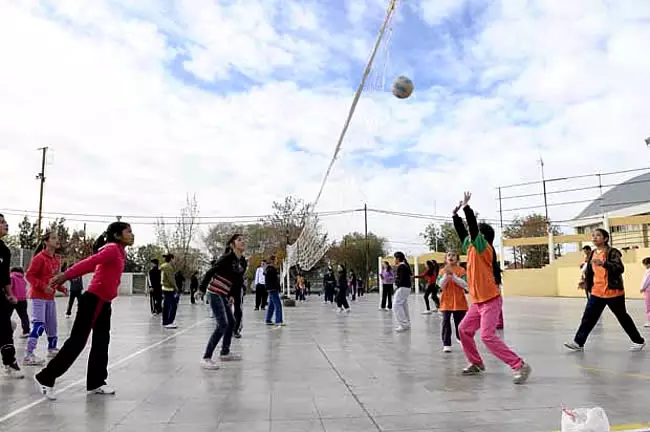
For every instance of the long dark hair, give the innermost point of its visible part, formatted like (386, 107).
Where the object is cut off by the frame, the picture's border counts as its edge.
(388, 266)
(432, 267)
(41, 245)
(605, 234)
(229, 248)
(112, 235)
(400, 257)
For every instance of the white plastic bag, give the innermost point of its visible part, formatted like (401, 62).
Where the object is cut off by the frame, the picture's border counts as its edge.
(585, 420)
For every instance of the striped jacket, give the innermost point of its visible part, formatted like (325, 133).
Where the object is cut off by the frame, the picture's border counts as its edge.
(224, 274)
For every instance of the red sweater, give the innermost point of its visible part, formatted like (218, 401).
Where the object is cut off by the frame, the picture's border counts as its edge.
(108, 265)
(431, 279)
(41, 270)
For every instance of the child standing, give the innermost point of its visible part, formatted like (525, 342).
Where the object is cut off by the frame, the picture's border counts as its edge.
(42, 269)
(401, 301)
(19, 288)
(484, 278)
(93, 312)
(387, 281)
(453, 282)
(342, 295)
(645, 289)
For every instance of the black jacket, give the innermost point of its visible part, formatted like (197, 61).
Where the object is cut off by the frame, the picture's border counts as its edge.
(77, 285)
(614, 266)
(271, 279)
(5, 264)
(343, 283)
(155, 279)
(329, 281)
(228, 267)
(403, 275)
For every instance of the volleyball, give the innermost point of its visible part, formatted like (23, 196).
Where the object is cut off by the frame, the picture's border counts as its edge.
(402, 87)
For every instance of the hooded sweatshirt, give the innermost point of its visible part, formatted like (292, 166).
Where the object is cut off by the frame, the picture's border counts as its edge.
(19, 286)
(41, 270)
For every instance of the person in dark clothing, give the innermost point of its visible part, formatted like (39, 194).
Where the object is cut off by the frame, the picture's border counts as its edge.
(342, 295)
(219, 283)
(272, 285)
(76, 289)
(238, 297)
(194, 286)
(155, 288)
(329, 285)
(604, 280)
(180, 281)
(7, 301)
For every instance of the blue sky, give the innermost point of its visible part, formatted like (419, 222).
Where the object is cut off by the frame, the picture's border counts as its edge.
(243, 103)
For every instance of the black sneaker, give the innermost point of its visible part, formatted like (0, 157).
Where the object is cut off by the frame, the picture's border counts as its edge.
(237, 335)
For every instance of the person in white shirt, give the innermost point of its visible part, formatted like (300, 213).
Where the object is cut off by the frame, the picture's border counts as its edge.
(261, 295)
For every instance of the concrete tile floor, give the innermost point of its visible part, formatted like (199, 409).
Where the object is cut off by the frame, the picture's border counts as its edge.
(325, 372)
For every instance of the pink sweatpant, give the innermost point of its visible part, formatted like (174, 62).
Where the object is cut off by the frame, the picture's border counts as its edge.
(485, 316)
(646, 295)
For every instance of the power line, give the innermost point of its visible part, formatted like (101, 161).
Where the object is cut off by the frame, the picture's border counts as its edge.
(605, 174)
(536, 194)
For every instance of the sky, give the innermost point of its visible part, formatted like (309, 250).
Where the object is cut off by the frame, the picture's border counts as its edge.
(242, 103)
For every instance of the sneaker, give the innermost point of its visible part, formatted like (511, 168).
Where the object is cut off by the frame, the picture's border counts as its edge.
(635, 347)
(473, 369)
(52, 352)
(46, 391)
(572, 346)
(32, 360)
(347, 311)
(209, 364)
(446, 349)
(401, 329)
(230, 357)
(24, 335)
(521, 375)
(646, 325)
(427, 312)
(237, 335)
(269, 323)
(69, 315)
(13, 371)
(458, 341)
(171, 326)
(103, 390)
(280, 324)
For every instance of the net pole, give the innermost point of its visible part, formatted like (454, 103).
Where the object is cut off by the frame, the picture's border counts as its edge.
(382, 30)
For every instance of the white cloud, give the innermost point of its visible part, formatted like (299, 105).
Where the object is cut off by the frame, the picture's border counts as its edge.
(128, 137)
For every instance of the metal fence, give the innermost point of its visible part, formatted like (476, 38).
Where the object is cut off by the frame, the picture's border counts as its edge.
(21, 257)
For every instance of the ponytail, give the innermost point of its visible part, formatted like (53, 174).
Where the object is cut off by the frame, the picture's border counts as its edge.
(113, 234)
(100, 242)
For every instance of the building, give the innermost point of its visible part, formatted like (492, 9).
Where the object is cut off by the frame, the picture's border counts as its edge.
(620, 210)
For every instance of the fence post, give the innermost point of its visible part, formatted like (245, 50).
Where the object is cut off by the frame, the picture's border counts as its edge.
(416, 270)
(380, 286)
(551, 246)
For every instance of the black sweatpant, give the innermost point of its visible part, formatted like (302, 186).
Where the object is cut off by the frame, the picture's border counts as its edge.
(432, 290)
(21, 310)
(342, 299)
(446, 325)
(593, 311)
(387, 296)
(329, 294)
(238, 313)
(74, 295)
(7, 349)
(93, 315)
(261, 296)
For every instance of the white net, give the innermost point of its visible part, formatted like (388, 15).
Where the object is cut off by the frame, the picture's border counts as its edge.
(312, 243)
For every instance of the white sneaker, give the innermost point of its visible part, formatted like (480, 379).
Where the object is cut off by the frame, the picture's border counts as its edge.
(347, 311)
(635, 347)
(103, 390)
(209, 364)
(13, 372)
(52, 352)
(171, 326)
(48, 392)
(647, 325)
(32, 360)
(446, 349)
(427, 312)
(458, 341)
(572, 346)
(401, 329)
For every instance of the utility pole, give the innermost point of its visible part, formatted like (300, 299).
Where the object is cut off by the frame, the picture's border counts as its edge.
(41, 176)
(541, 164)
(365, 217)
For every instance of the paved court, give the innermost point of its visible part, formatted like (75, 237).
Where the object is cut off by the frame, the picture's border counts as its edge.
(332, 373)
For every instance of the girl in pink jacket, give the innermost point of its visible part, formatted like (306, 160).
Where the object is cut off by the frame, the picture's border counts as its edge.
(645, 289)
(19, 288)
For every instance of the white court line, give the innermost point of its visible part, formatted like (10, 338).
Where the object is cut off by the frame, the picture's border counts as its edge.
(117, 363)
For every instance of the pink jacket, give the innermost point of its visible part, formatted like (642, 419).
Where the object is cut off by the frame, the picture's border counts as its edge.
(646, 282)
(108, 265)
(19, 286)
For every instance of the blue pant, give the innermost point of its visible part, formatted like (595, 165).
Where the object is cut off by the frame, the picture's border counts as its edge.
(170, 305)
(275, 305)
(225, 325)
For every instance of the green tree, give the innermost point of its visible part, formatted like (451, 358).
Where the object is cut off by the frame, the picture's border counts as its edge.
(58, 226)
(533, 225)
(351, 251)
(79, 247)
(27, 236)
(442, 238)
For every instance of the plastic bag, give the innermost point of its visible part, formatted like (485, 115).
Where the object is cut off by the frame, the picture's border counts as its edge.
(585, 420)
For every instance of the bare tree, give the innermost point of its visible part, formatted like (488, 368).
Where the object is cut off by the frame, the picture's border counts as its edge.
(179, 237)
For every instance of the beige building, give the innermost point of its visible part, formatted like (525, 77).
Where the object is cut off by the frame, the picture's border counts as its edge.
(628, 199)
